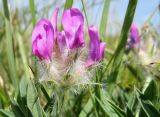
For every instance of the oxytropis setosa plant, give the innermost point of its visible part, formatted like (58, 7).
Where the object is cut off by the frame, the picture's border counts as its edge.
(134, 37)
(62, 55)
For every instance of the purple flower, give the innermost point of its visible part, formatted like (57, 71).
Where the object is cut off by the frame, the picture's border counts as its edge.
(61, 41)
(96, 48)
(134, 37)
(59, 37)
(73, 25)
(48, 41)
(42, 40)
(63, 48)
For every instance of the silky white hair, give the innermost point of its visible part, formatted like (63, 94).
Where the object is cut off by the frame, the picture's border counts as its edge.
(67, 70)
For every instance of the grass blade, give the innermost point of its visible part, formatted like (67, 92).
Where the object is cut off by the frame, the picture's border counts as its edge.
(118, 55)
(22, 52)
(68, 4)
(147, 106)
(150, 91)
(85, 12)
(104, 18)
(32, 10)
(10, 51)
(87, 108)
(16, 109)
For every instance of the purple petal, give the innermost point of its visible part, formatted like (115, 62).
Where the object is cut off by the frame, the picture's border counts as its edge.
(42, 39)
(96, 48)
(41, 47)
(73, 25)
(35, 50)
(61, 41)
(94, 45)
(134, 37)
(102, 50)
(134, 33)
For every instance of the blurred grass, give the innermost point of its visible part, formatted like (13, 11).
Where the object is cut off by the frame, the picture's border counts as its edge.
(104, 19)
(32, 10)
(10, 48)
(84, 9)
(23, 54)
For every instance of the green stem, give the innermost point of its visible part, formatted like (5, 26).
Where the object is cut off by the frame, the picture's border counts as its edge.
(118, 55)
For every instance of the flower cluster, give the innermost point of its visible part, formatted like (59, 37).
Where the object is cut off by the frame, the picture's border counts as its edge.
(62, 54)
(134, 37)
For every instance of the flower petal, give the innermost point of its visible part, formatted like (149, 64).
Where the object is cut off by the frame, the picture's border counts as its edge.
(41, 47)
(102, 50)
(134, 33)
(61, 41)
(96, 48)
(134, 37)
(94, 45)
(42, 39)
(73, 25)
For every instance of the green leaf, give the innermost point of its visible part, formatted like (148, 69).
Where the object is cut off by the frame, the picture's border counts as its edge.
(87, 108)
(109, 107)
(129, 112)
(6, 113)
(33, 102)
(150, 91)
(117, 109)
(141, 113)
(147, 106)
(104, 17)
(54, 112)
(22, 102)
(132, 100)
(23, 87)
(22, 97)
(16, 109)
(118, 55)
